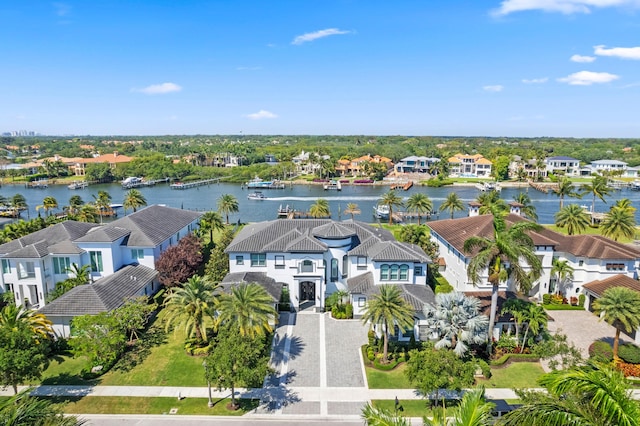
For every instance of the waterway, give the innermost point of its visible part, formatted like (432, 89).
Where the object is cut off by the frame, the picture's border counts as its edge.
(299, 197)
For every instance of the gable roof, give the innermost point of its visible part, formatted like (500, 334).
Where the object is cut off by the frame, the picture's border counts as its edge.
(104, 295)
(416, 295)
(598, 287)
(269, 284)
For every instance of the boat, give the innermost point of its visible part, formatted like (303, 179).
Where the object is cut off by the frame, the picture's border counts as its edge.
(333, 184)
(257, 183)
(381, 211)
(285, 212)
(488, 186)
(257, 195)
(131, 182)
(78, 185)
(635, 185)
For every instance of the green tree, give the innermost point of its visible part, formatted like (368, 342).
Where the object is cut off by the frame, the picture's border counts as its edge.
(134, 199)
(211, 221)
(573, 218)
(391, 199)
(75, 202)
(592, 395)
(98, 337)
(563, 272)
(22, 354)
(473, 410)
(218, 265)
(18, 202)
(228, 204)
(48, 203)
(452, 203)
(501, 168)
(598, 188)
(620, 307)
(134, 315)
(527, 209)
(99, 172)
(352, 209)
(237, 359)
(491, 202)
(12, 316)
(619, 222)
(502, 256)
(420, 204)
(535, 320)
(192, 307)
(320, 209)
(386, 310)
(564, 189)
(381, 417)
(103, 202)
(248, 309)
(88, 213)
(24, 410)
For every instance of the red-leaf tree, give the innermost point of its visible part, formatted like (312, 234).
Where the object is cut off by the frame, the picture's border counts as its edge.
(178, 263)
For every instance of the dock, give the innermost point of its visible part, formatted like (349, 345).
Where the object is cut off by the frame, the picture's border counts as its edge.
(404, 186)
(38, 184)
(142, 183)
(188, 185)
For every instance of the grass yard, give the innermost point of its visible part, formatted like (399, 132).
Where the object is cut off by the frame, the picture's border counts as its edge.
(516, 375)
(65, 370)
(594, 231)
(393, 379)
(143, 405)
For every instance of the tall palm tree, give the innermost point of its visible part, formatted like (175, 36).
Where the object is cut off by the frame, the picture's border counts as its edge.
(352, 209)
(88, 213)
(320, 208)
(249, 308)
(598, 188)
(565, 188)
(103, 202)
(80, 273)
(211, 221)
(388, 309)
(592, 395)
(491, 202)
(452, 203)
(473, 410)
(391, 199)
(48, 203)
(535, 319)
(192, 306)
(620, 307)
(502, 256)
(228, 204)
(457, 320)
(619, 222)
(420, 204)
(39, 324)
(528, 209)
(573, 218)
(75, 201)
(134, 199)
(562, 270)
(18, 202)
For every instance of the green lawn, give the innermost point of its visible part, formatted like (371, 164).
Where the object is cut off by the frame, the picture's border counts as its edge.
(143, 405)
(393, 379)
(516, 375)
(594, 231)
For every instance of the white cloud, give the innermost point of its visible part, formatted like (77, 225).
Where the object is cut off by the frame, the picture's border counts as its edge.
(494, 88)
(535, 80)
(318, 34)
(587, 78)
(62, 9)
(582, 58)
(562, 6)
(159, 89)
(618, 52)
(262, 114)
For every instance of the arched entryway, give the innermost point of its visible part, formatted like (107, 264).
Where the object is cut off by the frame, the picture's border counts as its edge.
(307, 293)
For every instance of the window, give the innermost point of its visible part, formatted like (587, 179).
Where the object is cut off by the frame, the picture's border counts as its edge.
(345, 266)
(362, 262)
(61, 265)
(334, 269)
(258, 259)
(6, 266)
(615, 266)
(394, 272)
(8, 287)
(26, 270)
(404, 273)
(279, 262)
(417, 271)
(307, 266)
(384, 272)
(362, 301)
(137, 254)
(580, 262)
(239, 260)
(96, 261)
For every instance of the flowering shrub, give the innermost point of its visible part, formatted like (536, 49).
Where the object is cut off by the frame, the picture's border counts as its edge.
(363, 181)
(629, 370)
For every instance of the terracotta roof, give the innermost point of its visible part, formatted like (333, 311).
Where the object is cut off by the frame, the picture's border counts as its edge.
(600, 286)
(483, 161)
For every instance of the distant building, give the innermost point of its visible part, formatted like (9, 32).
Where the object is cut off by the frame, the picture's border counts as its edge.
(463, 165)
(415, 164)
(564, 165)
(600, 166)
(355, 167)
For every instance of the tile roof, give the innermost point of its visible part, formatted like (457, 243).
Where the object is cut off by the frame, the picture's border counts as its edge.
(396, 251)
(104, 295)
(485, 302)
(598, 287)
(416, 295)
(333, 230)
(269, 284)
(105, 234)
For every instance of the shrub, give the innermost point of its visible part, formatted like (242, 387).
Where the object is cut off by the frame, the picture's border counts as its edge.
(349, 311)
(371, 355)
(371, 335)
(629, 353)
(581, 299)
(573, 300)
(629, 370)
(546, 299)
(601, 351)
(557, 299)
(484, 367)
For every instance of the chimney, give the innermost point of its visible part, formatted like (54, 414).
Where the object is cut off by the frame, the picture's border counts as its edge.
(474, 208)
(515, 208)
(115, 153)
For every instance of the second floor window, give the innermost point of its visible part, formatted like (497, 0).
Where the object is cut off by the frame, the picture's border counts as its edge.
(258, 259)
(307, 266)
(279, 262)
(96, 261)
(6, 266)
(61, 265)
(394, 272)
(137, 254)
(26, 270)
(334, 269)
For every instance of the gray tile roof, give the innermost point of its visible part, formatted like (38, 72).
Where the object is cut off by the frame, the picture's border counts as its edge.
(417, 295)
(361, 284)
(65, 247)
(269, 284)
(333, 230)
(105, 234)
(104, 295)
(396, 251)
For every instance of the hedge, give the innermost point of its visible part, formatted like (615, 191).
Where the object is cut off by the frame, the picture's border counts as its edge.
(552, 307)
(514, 358)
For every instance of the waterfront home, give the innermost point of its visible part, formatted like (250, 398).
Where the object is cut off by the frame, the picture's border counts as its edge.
(415, 164)
(463, 165)
(600, 166)
(355, 167)
(564, 165)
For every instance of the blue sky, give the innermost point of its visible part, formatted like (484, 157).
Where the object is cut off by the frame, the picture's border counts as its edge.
(528, 68)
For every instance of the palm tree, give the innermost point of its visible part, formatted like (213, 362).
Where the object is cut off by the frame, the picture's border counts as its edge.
(382, 417)
(192, 306)
(535, 318)
(562, 270)
(249, 308)
(11, 315)
(25, 410)
(502, 257)
(391, 200)
(599, 187)
(388, 309)
(228, 204)
(491, 202)
(320, 208)
(573, 218)
(103, 202)
(625, 203)
(420, 204)
(18, 202)
(211, 221)
(134, 199)
(619, 222)
(88, 213)
(620, 307)
(80, 273)
(452, 203)
(352, 209)
(565, 188)
(528, 209)
(592, 395)
(457, 320)
(473, 410)
(74, 203)
(48, 203)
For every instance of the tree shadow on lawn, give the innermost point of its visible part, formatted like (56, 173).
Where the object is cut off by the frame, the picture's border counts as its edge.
(136, 353)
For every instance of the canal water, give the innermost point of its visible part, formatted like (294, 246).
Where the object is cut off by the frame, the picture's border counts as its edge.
(299, 197)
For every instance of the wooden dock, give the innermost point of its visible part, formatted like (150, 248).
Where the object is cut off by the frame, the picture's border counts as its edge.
(188, 185)
(404, 186)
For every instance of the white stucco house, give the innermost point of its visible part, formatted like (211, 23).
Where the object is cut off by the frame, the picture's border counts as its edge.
(562, 164)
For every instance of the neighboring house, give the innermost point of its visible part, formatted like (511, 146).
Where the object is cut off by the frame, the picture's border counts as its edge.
(564, 165)
(77, 165)
(225, 159)
(356, 167)
(463, 165)
(592, 257)
(306, 166)
(104, 295)
(317, 257)
(415, 164)
(600, 166)
(33, 264)
(529, 166)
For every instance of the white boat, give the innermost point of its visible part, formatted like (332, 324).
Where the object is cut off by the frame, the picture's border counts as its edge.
(257, 195)
(488, 186)
(78, 185)
(635, 185)
(257, 183)
(131, 182)
(381, 211)
(333, 184)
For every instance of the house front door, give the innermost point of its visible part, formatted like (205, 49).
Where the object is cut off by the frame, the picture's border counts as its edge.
(307, 291)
